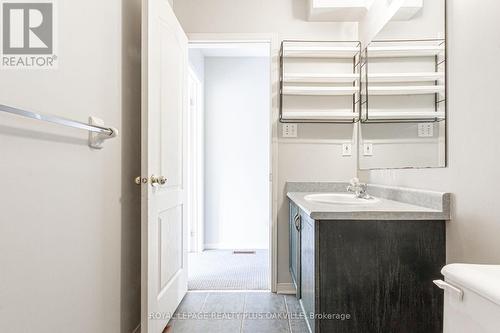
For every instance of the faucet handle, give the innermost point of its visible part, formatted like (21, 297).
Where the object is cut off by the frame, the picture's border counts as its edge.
(353, 185)
(358, 188)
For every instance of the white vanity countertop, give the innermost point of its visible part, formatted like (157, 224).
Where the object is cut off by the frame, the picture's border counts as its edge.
(395, 203)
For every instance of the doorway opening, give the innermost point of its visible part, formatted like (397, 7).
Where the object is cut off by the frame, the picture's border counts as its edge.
(229, 159)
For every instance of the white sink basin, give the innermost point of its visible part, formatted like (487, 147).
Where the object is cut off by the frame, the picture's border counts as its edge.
(340, 198)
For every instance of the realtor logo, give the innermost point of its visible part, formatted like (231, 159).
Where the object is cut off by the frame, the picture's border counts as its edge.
(28, 34)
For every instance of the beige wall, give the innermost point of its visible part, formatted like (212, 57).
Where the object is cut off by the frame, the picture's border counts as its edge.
(236, 91)
(69, 216)
(316, 154)
(473, 235)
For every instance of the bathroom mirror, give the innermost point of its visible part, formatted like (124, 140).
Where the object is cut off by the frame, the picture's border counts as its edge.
(403, 112)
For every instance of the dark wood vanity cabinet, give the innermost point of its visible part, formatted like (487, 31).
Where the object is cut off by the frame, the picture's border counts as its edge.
(379, 273)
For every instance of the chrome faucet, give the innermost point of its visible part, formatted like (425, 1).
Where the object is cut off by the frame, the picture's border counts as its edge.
(359, 189)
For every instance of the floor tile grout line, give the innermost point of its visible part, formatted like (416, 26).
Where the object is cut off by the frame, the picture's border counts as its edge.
(287, 315)
(243, 314)
(204, 302)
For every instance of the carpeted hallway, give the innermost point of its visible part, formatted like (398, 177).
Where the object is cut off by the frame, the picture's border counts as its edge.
(223, 270)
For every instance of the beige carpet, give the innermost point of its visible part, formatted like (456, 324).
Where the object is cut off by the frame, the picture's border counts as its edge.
(223, 270)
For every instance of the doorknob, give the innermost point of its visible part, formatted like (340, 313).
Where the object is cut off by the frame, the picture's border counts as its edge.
(140, 180)
(155, 181)
(158, 180)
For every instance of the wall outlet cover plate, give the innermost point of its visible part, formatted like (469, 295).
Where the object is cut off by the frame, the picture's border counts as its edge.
(346, 149)
(368, 149)
(425, 130)
(289, 130)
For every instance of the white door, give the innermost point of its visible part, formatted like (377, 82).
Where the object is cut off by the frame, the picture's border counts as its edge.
(164, 227)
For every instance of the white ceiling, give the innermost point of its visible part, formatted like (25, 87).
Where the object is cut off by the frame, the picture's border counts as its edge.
(233, 49)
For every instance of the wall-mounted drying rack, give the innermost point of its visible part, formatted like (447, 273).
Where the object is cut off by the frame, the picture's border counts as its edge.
(403, 81)
(97, 132)
(320, 81)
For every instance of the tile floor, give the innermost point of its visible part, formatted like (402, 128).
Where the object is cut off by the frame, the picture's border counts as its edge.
(238, 312)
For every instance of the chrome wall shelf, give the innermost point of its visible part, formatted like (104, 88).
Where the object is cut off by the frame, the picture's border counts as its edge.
(403, 81)
(320, 81)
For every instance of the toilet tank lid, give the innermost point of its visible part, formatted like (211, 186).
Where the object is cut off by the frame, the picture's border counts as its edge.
(481, 279)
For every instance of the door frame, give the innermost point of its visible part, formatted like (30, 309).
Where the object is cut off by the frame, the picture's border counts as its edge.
(195, 163)
(273, 41)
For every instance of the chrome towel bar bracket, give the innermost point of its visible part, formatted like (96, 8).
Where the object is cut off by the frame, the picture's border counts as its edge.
(97, 132)
(96, 139)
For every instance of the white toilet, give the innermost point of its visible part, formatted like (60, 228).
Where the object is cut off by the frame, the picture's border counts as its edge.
(471, 299)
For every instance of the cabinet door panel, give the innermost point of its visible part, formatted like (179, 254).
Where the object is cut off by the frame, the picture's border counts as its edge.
(348, 268)
(411, 254)
(380, 273)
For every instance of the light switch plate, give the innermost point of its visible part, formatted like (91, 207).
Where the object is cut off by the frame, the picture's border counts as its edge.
(368, 149)
(425, 130)
(347, 149)
(289, 130)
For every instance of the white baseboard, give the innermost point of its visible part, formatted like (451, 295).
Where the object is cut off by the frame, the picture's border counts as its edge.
(285, 289)
(137, 329)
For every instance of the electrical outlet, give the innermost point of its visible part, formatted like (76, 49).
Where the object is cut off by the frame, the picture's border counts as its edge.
(425, 130)
(289, 130)
(347, 149)
(368, 149)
